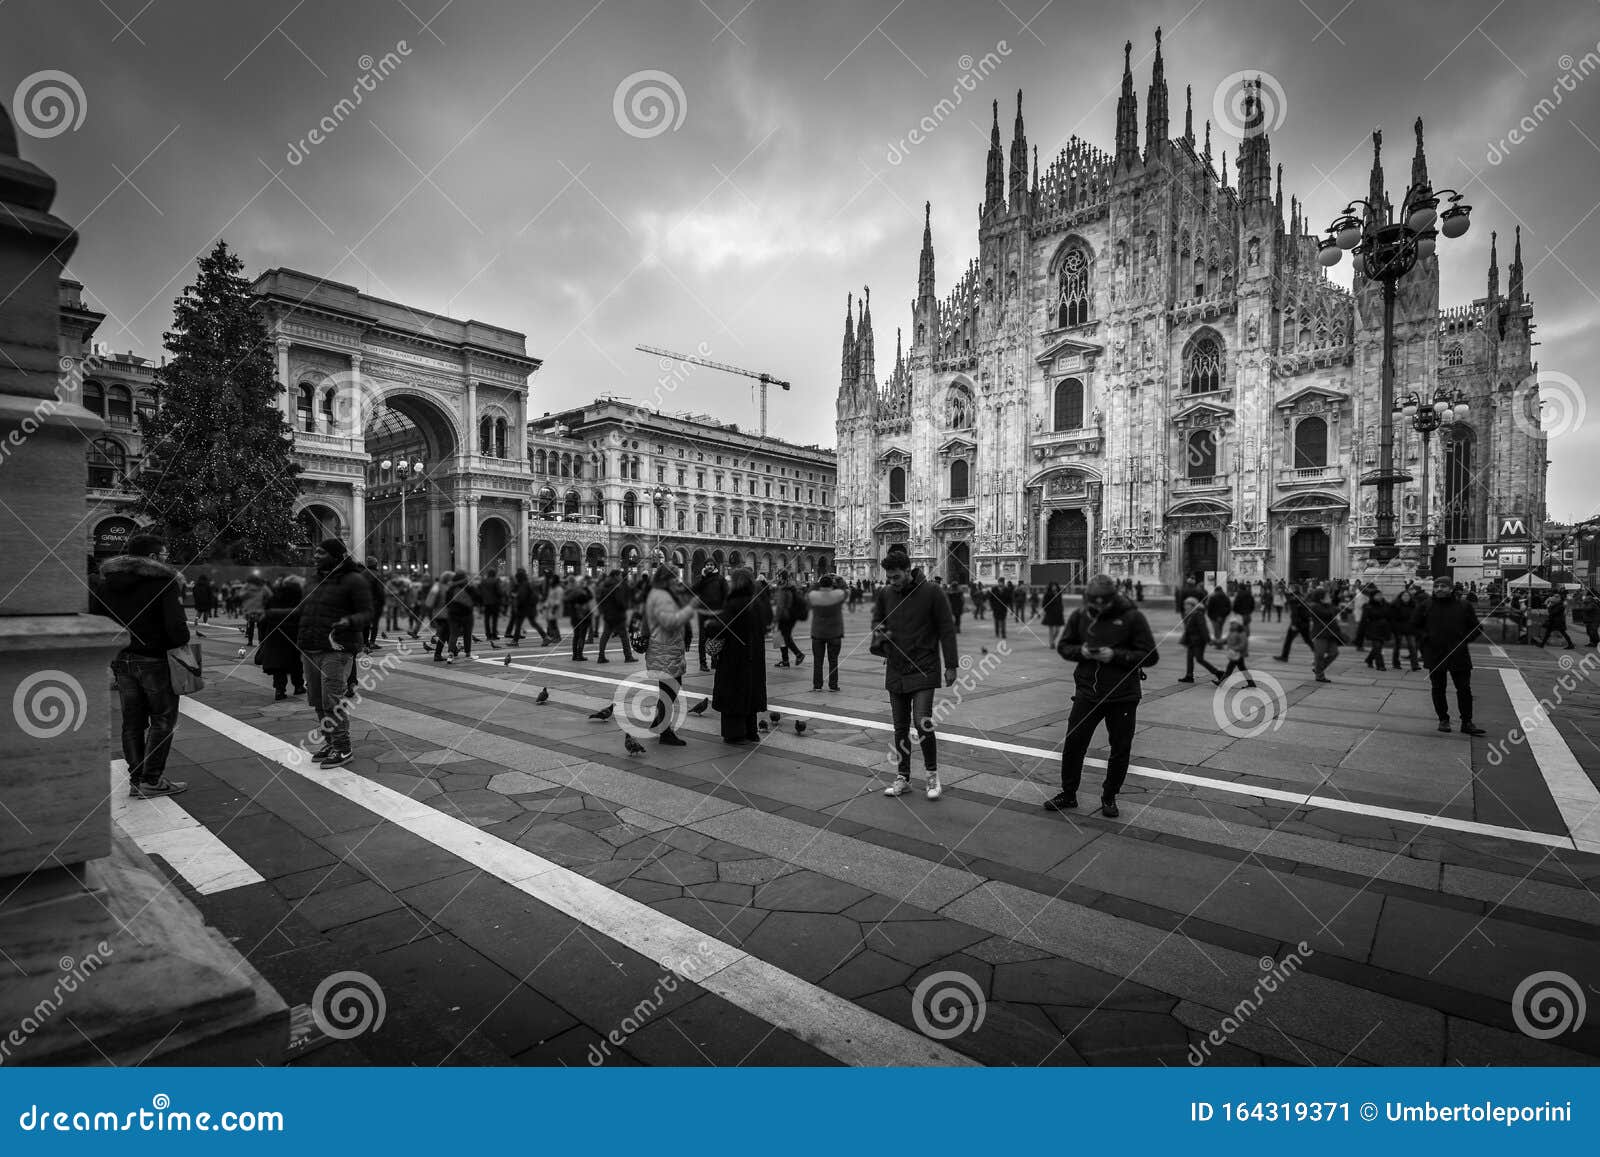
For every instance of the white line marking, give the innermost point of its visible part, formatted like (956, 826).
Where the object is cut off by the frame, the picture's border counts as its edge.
(1498, 651)
(835, 1026)
(1422, 819)
(1571, 788)
(161, 828)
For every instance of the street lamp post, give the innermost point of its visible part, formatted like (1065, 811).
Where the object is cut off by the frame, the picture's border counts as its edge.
(1386, 250)
(405, 470)
(659, 497)
(1426, 417)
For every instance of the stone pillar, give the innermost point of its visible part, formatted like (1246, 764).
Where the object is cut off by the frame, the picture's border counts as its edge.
(286, 399)
(467, 538)
(73, 887)
(358, 520)
(358, 402)
(469, 417)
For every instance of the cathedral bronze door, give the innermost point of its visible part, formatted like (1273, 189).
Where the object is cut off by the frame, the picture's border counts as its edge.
(1199, 553)
(1309, 552)
(958, 562)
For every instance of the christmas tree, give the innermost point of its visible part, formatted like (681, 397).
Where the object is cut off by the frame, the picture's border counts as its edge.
(219, 476)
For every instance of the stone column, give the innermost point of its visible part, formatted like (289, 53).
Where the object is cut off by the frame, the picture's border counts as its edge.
(469, 417)
(1092, 565)
(469, 555)
(358, 402)
(358, 520)
(286, 399)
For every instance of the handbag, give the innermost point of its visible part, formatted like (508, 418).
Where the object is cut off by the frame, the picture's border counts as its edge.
(638, 637)
(183, 664)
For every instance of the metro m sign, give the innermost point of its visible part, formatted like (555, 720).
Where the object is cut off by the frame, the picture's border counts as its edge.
(1514, 527)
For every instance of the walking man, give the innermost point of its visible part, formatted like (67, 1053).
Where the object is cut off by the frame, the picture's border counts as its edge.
(912, 629)
(1195, 637)
(1322, 623)
(827, 630)
(1218, 604)
(712, 591)
(1299, 622)
(788, 599)
(613, 600)
(1555, 620)
(1000, 607)
(333, 625)
(578, 602)
(1109, 639)
(1446, 624)
(141, 592)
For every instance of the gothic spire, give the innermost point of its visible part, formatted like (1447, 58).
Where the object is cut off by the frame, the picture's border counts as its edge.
(1019, 161)
(994, 178)
(1419, 162)
(847, 360)
(1033, 197)
(925, 262)
(1208, 140)
(1127, 113)
(868, 363)
(1514, 284)
(1494, 267)
(1155, 125)
(1278, 201)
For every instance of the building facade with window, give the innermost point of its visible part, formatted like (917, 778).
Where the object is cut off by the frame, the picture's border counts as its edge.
(1145, 371)
(620, 485)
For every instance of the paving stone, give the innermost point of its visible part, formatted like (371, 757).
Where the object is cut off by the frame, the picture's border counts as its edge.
(563, 843)
(547, 804)
(810, 945)
(453, 782)
(409, 786)
(722, 851)
(608, 872)
(877, 909)
(273, 847)
(807, 891)
(619, 834)
(515, 782)
(918, 942)
(999, 950)
(1056, 981)
(327, 908)
(970, 967)
(639, 820)
(680, 869)
(592, 821)
(710, 1031)
(479, 807)
(1569, 903)
(578, 1047)
(394, 857)
(732, 923)
(648, 891)
(757, 871)
(1007, 1034)
(387, 930)
(293, 887)
(866, 972)
(722, 893)
(1113, 1036)
(438, 758)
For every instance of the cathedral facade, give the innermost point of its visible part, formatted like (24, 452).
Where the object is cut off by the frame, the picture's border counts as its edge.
(1147, 372)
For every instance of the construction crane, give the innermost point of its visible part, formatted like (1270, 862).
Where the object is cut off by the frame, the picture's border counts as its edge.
(765, 379)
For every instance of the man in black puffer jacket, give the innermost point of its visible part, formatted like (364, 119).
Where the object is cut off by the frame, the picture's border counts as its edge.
(141, 592)
(1446, 623)
(1110, 640)
(913, 630)
(333, 628)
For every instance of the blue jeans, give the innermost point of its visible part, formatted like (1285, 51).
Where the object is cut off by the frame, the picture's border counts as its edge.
(327, 676)
(913, 708)
(149, 714)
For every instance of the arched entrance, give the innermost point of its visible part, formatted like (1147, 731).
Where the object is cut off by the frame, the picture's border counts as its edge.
(412, 447)
(571, 558)
(317, 522)
(958, 562)
(735, 558)
(494, 544)
(111, 535)
(699, 561)
(594, 559)
(1066, 549)
(1200, 553)
(544, 557)
(717, 559)
(1310, 551)
(630, 556)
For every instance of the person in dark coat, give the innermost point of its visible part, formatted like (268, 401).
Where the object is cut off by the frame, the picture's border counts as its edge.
(205, 599)
(1244, 604)
(1218, 604)
(1446, 623)
(491, 602)
(956, 595)
(739, 688)
(141, 592)
(379, 595)
(333, 627)
(1299, 622)
(1401, 613)
(1555, 620)
(280, 627)
(1110, 641)
(524, 608)
(1000, 608)
(613, 601)
(1195, 638)
(1051, 613)
(1323, 632)
(712, 591)
(912, 629)
(577, 603)
(787, 599)
(1375, 628)
(454, 616)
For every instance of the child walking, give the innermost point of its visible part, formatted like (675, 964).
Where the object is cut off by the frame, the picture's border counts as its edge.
(1236, 645)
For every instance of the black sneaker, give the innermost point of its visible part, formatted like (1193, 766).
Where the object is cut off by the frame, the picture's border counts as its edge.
(1108, 808)
(322, 753)
(1444, 725)
(1062, 801)
(335, 759)
(1186, 679)
(1471, 729)
(156, 790)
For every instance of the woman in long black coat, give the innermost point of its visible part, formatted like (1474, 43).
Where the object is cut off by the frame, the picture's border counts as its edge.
(739, 690)
(278, 655)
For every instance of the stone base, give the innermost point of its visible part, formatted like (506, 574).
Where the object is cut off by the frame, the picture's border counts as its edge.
(122, 970)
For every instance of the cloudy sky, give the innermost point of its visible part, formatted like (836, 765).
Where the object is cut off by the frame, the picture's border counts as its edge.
(490, 173)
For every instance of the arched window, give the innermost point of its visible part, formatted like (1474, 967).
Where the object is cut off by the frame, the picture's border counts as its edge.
(1202, 454)
(958, 409)
(119, 406)
(94, 397)
(547, 502)
(145, 405)
(566, 465)
(1073, 282)
(571, 504)
(577, 466)
(1453, 355)
(988, 289)
(958, 480)
(500, 438)
(305, 407)
(630, 509)
(1203, 371)
(897, 485)
(1310, 443)
(327, 412)
(1458, 485)
(538, 462)
(486, 436)
(107, 461)
(700, 521)
(1011, 283)
(1069, 405)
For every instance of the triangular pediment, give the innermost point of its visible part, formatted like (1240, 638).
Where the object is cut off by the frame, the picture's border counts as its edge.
(1310, 500)
(1320, 392)
(1212, 410)
(892, 451)
(957, 443)
(1068, 347)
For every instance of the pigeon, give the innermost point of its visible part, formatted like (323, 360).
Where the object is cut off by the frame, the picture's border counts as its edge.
(508, 659)
(763, 724)
(700, 707)
(543, 696)
(633, 746)
(774, 716)
(604, 712)
(799, 726)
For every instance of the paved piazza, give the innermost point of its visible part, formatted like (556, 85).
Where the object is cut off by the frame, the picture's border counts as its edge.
(1330, 881)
